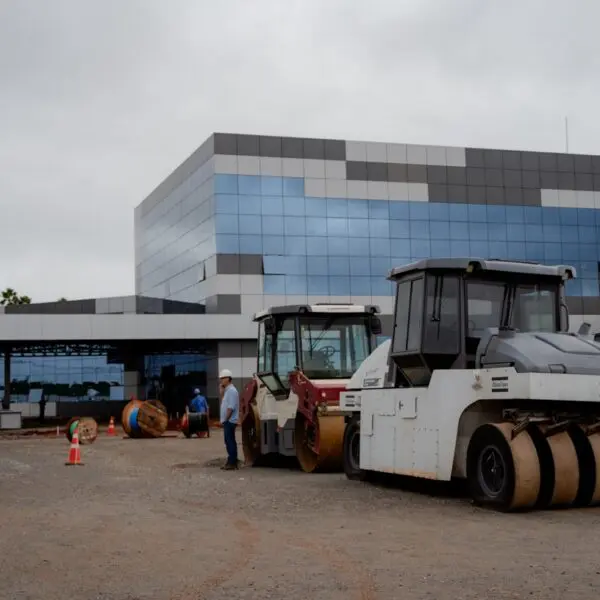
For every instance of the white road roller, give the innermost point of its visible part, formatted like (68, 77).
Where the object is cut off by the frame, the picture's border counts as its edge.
(481, 381)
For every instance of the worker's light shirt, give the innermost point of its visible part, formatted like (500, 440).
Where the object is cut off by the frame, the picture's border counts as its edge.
(231, 399)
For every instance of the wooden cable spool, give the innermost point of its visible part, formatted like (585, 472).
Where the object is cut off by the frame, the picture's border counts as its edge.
(144, 419)
(87, 429)
(194, 424)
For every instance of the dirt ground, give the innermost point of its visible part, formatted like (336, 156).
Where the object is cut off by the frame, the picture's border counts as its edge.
(157, 519)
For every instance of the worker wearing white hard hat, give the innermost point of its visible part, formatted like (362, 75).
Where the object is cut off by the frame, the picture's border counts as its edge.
(230, 404)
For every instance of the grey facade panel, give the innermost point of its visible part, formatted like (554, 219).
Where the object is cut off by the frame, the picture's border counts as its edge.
(292, 148)
(224, 304)
(225, 143)
(335, 150)
(228, 264)
(251, 264)
(270, 146)
(248, 145)
(239, 264)
(314, 149)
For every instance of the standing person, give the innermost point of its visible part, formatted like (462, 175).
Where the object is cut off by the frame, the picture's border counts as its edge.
(230, 403)
(199, 405)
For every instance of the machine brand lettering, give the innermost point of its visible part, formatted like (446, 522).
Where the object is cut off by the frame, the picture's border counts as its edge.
(499, 384)
(371, 382)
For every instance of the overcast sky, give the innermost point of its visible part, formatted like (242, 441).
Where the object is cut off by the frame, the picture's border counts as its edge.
(100, 100)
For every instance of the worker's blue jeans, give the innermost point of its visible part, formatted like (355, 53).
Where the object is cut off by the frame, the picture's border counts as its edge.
(230, 443)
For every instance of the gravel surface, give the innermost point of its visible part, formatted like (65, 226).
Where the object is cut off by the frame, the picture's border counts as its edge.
(157, 519)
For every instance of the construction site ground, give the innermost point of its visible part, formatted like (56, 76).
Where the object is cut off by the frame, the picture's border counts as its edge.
(157, 519)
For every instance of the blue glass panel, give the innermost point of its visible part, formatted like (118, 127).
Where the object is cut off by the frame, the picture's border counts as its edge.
(459, 249)
(533, 214)
(597, 217)
(295, 245)
(271, 186)
(459, 230)
(226, 184)
(380, 286)
(226, 224)
(380, 266)
(515, 232)
(273, 244)
(248, 184)
(339, 286)
(360, 286)
(516, 250)
(294, 226)
(419, 230)
(250, 224)
(550, 215)
(272, 205)
(569, 234)
(318, 285)
(420, 248)
(358, 227)
(418, 211)
(534, 251)
(399, 210)
(316, 226)
(380, 246)
(498, 250)
(440, 248)
(400, 247)
(399, 229)
(379, 209)
(479, 249)
(459, 212)
(337, 207)
(588, 252)
(379, 228)
(296, 284)
(496, 214)
(552, 251)
(315, 207)
(586, 216)
(251, 244)
(515, 214)
(399, 261)
(439, 230)
(295, 265)
(478, 231)
(293, 186)
(570, 252)
(587, 270)
(439, 211)
(317, 265)
(589, 287)
(568, 216)
(360, 266)
(497, 232)
(293, 205)
(339, 265)
(338, 246)
(317, 246)
(477, 213)
(534, 233)
(358, 209)
(272, 225)
(587, 235)
(226, 203)
(274, 284)
(250, 205)
(359, 247)
(551, 233)
(573, 287)
(336, 226)
(228, 244)
(275, 265)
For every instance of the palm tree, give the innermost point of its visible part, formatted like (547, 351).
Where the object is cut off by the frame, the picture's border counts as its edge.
(10, 297)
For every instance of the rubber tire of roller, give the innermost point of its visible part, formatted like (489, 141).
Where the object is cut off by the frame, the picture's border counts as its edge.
(522, 485)
(353, 473)
(252, 456)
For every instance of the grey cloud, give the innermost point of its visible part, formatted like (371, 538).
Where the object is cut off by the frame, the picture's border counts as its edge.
(100, 100)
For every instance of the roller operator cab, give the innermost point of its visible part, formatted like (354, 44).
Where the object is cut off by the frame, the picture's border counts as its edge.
(481, 381)
(306, 356)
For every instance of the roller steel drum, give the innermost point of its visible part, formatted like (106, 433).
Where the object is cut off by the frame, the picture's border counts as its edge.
(88, 429)
(328, 433)
(194, 424)
(144, 419)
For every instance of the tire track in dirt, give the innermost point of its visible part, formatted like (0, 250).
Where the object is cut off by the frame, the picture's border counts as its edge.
(248, 540)
(340, 561)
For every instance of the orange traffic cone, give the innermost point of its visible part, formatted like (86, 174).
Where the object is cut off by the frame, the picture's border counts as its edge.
(74, 452)
(111, 426)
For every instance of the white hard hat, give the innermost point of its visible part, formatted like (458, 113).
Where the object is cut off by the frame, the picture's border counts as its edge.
(225, 373)
(196, 391)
